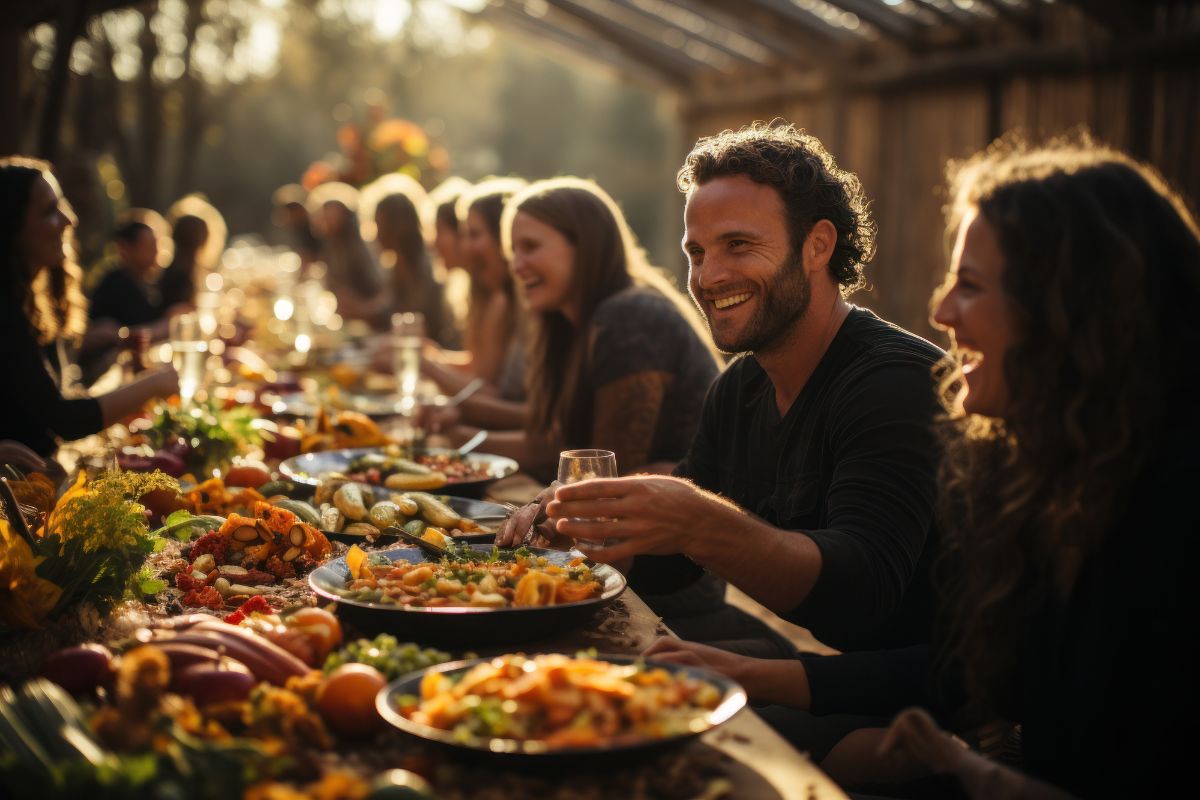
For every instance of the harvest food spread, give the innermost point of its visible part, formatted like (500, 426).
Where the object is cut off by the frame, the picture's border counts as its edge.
(162, 635)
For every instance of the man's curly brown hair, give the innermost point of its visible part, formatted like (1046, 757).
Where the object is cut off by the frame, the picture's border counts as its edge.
(812, 187)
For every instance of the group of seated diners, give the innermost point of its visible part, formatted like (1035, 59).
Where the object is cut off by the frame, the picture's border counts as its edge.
(991, 538)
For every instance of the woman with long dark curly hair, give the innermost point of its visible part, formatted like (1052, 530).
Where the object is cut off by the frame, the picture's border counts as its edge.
(42, 307)
(1071, 452)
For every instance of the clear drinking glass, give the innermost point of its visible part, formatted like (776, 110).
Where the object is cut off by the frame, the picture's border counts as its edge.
(408, 336)
(582, 465)
(189, 351)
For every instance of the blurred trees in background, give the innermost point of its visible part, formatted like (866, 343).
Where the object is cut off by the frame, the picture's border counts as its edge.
(233, 98)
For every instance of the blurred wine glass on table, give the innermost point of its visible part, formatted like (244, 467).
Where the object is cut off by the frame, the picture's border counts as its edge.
(408, 336)
(189, 349)
(582, 465)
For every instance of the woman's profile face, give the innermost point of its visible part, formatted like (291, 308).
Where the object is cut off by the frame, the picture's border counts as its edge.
(978, 313)
(45, 224)
(543, 264)
(481, 252)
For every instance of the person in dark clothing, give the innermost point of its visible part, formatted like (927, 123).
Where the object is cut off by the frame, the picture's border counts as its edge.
(393, 206)
(178, 283)
(595, 380)
(1071, 453)
(125, 296)
(352, 272)
(40, 303)
(810, 482)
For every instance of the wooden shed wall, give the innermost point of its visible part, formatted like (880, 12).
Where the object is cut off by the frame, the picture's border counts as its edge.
(899, 141)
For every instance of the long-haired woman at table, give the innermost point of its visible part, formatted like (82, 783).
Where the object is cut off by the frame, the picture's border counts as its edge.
(394, 206)
(1072, 453)
(491, 339)
(618, 358)
(43, 308)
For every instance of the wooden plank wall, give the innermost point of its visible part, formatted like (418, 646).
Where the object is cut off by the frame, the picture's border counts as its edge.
(899, 142)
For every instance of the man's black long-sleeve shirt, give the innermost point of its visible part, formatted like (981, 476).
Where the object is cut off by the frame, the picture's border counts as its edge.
(851, 464)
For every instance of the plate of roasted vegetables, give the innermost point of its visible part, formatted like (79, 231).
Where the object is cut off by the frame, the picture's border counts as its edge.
(548, 706)
(350, 512)
(399, 470)
(474, 594)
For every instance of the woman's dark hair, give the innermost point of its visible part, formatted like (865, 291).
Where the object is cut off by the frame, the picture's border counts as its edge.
(487, 199)
(607, 260)
(50, 294)
(808, 180)
(443, 198)
(1102, 276)
(190, 234)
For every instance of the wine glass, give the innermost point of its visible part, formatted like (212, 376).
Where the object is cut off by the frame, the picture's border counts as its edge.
(408, 336)
(189, 353)
(582, 465)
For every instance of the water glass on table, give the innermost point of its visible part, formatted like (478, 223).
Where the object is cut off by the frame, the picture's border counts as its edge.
(189, 352)
(582, 465)
(408, 336)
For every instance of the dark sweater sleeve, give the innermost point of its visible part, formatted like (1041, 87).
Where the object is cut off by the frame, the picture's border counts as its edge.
(38, 412)
(875, 683)
(654, 575)
(880, 503)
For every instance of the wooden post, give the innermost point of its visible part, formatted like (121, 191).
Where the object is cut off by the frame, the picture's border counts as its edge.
(71, 19)
(11, 123)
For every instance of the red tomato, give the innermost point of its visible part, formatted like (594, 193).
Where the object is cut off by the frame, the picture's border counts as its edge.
(346, 699)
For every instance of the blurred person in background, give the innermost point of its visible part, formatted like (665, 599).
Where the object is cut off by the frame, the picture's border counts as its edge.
(491, 338)
(43, 310)
(618, 358)
(292, 217)
(351, 271)
(126, 308)
(198, 231)
(394, 207)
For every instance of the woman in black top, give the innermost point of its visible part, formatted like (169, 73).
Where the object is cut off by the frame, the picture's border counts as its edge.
(41, 305)
(1071, 451)
(617, 358)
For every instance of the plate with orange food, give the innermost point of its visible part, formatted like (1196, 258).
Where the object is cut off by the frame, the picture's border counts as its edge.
(539, 708)
(478, 594)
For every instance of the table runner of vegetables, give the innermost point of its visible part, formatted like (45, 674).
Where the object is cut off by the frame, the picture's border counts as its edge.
(160, 639)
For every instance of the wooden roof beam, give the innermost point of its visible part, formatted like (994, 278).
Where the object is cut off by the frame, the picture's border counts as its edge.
(890, 24)
(567, 39)
(779, 32)
(949, 18)
(646, 46)
(657, 14)
(1021, 20)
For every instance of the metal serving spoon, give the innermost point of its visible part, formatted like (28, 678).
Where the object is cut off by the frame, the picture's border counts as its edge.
(424, 545)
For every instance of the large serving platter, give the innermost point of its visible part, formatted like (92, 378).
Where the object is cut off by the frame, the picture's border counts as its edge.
(309, 467)
(733, 700)
(465, 628)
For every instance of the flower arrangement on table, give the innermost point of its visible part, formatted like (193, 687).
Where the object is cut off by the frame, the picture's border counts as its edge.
(92, 547)
(382, 146)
